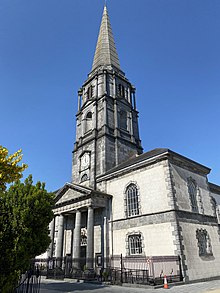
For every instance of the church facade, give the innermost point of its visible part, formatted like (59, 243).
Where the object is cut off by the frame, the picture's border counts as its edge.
(122, 201)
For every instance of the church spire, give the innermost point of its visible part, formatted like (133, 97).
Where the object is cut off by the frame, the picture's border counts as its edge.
(105, 53)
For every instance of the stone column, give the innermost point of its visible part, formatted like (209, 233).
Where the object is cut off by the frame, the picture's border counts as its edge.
(97, 86)
(90, 238)
(52, 229)
(59, 250)
(105, 236)
(105, 111)
(76, 241)
(134, 98)
(105, 82)
(129, 95)
(115, 118)
(116, 131)
(79, 99)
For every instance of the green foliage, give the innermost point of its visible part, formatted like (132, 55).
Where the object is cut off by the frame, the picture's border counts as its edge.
(10, 170)
(25, 213)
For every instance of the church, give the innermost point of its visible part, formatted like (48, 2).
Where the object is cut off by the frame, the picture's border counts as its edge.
(143, 206)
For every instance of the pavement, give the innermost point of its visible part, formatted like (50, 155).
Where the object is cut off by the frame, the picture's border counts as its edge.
(69, 286)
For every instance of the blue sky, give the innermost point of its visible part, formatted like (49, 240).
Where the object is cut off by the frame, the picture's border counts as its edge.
(169, 49)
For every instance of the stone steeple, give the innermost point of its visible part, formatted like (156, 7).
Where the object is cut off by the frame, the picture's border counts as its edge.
(105, 53)
(107, 131)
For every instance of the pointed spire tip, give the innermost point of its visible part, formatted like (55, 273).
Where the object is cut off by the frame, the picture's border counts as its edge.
(105, 53)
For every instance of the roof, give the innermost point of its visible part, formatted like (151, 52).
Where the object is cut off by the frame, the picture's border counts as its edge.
(214, 188)
(105, 53)
(135, 161)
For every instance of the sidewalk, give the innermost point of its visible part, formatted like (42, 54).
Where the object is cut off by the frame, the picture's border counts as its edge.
(69, 286)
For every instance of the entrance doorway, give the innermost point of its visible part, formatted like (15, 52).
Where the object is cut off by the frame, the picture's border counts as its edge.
(83, 257)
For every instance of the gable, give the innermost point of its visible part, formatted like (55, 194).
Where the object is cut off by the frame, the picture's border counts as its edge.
(70, 192)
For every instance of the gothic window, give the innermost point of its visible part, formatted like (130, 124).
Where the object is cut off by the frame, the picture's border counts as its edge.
(123, 120)
(88, 122)
(204, 242)
(84, 178)
(132, 201)
(192, 188)
(90, 92)
(135, 244)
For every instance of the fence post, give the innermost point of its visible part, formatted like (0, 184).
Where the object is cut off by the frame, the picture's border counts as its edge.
(28, 280)
(121, 264)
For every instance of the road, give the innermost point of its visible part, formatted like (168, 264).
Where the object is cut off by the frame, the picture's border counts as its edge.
(69, 286)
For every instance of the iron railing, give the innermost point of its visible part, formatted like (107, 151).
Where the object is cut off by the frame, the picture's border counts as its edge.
(29, 282)
(116, 269)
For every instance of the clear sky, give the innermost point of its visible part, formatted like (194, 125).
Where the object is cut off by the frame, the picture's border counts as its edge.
(169, 49)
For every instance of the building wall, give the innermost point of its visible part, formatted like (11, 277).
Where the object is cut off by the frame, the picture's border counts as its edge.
(197, 267)
(180, 176)
(200, 267)
(157, 239)
(152, 189)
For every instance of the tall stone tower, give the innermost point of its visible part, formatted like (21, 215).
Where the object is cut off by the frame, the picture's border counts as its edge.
(107, 120)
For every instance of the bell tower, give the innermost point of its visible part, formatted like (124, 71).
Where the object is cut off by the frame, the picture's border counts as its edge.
(107, 130)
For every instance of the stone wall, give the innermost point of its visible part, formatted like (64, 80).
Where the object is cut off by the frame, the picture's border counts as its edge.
(151, 186)
(157, 239)
(199, 267)
(180, 176)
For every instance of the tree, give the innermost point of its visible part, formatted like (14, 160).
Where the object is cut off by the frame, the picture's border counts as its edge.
(9, 168)
(25, 214)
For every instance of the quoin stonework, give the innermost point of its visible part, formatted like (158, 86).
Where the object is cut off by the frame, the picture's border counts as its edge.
(123, 201)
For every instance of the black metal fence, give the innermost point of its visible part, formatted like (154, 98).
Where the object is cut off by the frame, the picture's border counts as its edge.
(29, 282)
(116, 269)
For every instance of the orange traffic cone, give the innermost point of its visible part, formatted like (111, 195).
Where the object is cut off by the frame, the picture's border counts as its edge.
(165, 286)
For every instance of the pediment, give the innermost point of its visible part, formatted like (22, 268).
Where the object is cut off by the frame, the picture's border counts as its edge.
(71, 192)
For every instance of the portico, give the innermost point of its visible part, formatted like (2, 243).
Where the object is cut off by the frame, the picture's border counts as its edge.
(80, 217)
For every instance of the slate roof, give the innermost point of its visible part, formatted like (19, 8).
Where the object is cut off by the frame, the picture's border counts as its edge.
(151, 154)
(105, 53)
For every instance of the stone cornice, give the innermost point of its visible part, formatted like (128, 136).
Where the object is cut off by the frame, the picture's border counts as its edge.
(168, 216)
(214, 188)
(185, 162)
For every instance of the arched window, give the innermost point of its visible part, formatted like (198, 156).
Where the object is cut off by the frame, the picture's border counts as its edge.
(89, 115)
(84, 178)
(90, 92)
(88, 122)
(192, 188)
(132, 201)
